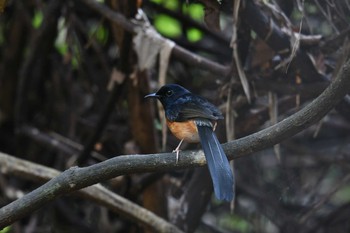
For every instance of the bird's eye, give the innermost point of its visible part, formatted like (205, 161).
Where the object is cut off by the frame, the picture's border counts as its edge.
(169, 93)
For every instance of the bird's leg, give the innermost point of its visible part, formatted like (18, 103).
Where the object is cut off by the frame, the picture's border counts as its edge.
(177, 150)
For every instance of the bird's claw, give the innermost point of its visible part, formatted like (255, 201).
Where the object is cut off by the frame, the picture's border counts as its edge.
(177, 150)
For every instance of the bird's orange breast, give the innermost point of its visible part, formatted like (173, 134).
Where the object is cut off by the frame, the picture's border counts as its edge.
(184, 130)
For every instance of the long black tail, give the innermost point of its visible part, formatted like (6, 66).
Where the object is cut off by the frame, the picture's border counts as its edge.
(219, 167)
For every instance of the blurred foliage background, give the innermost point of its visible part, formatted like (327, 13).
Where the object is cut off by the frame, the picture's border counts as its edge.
(71, 93)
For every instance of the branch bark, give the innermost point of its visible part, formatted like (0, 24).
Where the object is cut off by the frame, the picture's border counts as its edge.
(77, 178)
(97, 193)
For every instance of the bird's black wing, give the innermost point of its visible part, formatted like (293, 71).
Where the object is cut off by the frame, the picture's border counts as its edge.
(191, 107)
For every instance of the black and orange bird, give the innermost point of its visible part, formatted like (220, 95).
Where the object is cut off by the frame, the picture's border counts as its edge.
(192, 118)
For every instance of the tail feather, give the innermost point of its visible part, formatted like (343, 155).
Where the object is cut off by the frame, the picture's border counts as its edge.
(219, 167)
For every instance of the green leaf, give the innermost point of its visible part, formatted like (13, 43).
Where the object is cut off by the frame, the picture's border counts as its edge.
(235, 223)
(37, 19)
(60, 43)
(102, 34)
(194, 35)
(167, 26)
(99, 32)
(169, 4)
(6, 230)
(342, 195)
(195, 11)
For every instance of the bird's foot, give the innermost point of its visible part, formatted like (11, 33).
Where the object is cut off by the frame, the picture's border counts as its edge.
(177, 150)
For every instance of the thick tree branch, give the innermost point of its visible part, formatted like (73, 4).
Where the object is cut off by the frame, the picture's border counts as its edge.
(76, 178)
(97, 193)
(294, 124)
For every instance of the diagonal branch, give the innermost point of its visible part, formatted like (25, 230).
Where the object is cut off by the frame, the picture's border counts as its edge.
(178, 51)
(77, 178)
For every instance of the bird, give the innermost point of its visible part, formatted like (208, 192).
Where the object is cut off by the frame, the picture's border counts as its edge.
(193, 119)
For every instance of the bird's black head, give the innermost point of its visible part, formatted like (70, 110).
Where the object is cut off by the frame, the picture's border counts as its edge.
(169, 93)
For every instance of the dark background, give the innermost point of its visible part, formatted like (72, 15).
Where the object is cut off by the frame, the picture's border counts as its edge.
(58, 60)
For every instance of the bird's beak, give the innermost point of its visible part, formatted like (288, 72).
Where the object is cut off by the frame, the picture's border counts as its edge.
(153, 95)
